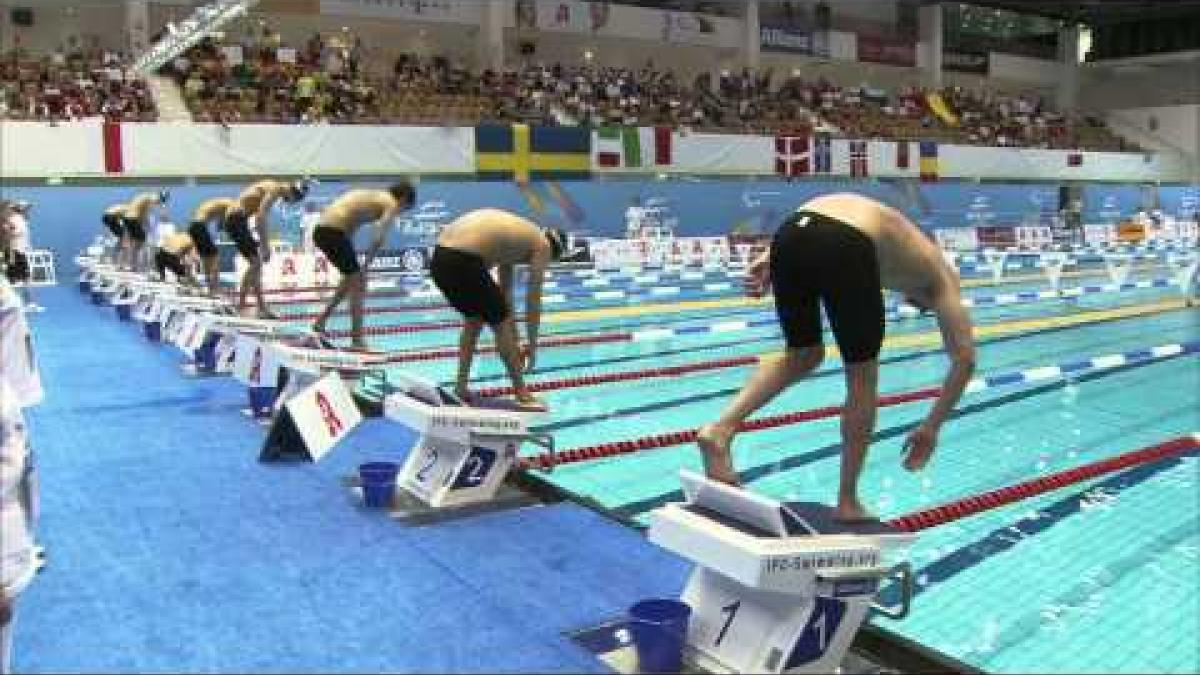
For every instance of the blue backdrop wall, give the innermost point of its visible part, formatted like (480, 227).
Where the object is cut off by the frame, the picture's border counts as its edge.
(66, 218)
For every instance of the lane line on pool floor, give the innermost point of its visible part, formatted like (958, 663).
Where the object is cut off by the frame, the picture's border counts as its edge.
(633, 509)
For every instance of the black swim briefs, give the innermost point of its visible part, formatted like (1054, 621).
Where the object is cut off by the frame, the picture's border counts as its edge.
(202, 238)
(820, 261)
(237, 226)
(338, 248)
(113, 222)
(468, 285)
(17, 267)
(165, 260)
(135, 230)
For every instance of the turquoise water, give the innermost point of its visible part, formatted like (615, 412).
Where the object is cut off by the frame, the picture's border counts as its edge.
(1096, 577)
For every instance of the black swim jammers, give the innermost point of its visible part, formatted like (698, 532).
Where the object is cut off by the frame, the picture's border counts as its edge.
(338, 248)
(237, 226)
(468, 286)
(820, 261)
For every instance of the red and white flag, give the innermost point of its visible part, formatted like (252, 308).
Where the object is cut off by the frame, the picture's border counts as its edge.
(858, 158)
(792, 154)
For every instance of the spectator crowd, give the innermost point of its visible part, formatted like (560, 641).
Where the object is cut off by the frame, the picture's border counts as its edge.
(72, 86)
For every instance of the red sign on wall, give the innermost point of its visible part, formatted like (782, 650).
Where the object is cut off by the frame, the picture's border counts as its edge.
(891, 51)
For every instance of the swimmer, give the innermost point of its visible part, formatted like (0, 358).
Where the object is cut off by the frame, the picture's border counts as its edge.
(209, 210)
(255, 203)
(114, 219)
(137, 222)
(334, 236)
(838, 251)
(466, 251)
(176, 253)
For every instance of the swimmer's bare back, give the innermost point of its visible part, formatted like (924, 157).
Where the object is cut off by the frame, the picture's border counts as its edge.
(356, 208)
(497, 236)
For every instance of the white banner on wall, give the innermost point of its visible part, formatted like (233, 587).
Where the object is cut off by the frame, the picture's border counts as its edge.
(442, 11)
(207, 149)
(596, 17)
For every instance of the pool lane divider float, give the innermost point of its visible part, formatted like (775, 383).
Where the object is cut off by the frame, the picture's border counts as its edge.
(784, 586)
(547, 461)
(662, 333)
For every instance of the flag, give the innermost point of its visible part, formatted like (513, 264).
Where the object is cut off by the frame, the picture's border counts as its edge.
(902, 154)
(792, 155)
(114, 161)
(822, 154)
(521, 152)
(632, 147)
(1074, 159)
(929, 160)
(858, 158)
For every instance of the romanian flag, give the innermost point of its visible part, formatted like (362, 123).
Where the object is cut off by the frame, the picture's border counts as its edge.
(929, 161)
(520, 152)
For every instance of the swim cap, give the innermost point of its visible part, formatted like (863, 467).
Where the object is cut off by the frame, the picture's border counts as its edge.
(558, 239)
(299, 189)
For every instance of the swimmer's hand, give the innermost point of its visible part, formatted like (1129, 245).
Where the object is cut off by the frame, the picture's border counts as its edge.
(919, 446)
(758, 276)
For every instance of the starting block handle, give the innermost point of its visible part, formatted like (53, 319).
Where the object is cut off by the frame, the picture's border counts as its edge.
(540, 439)
(904, 576)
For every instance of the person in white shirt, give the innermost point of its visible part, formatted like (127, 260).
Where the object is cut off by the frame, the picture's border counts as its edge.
(15, 246)
(20, 387)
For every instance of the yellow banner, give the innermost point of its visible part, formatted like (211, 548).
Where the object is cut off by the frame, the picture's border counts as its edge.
(938, 105)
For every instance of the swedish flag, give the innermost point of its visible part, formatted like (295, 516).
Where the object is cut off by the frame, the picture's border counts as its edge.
(520, 152)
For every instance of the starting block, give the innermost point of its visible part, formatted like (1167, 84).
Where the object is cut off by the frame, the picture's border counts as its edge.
(462, 454)
(1053, 264)
(778, 588)
(1118, 266)
(1183, 266)
(995, 262)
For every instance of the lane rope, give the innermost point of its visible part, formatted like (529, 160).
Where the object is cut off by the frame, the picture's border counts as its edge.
(548, 460)
(969, 506)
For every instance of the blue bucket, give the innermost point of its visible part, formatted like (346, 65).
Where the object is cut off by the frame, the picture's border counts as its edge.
(659, 629)
(262, 401)
(153, 330)
(206, 355)
(124, 311)
(378, 483)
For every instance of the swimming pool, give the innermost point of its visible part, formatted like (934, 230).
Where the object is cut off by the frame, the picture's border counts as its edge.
(1095, 577)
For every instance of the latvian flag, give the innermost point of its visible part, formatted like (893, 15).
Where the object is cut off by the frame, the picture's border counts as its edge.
(858, 158)
(929, 161)
(792, 155)
(633, 147)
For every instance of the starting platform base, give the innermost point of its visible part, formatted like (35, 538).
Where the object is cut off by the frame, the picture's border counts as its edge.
(410, 510)
(612, 644)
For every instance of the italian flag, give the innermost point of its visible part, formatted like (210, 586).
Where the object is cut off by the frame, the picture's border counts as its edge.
(633, 147)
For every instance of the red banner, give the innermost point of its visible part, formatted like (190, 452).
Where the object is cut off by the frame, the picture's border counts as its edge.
(997, 236)
(887, 50)
(113, 160)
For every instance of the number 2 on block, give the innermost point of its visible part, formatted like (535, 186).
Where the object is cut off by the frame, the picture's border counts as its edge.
(423, 472)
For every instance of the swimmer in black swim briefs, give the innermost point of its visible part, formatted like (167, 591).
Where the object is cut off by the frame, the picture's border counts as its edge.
(838, 252)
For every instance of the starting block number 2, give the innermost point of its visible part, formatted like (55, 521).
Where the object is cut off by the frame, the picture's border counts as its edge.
(446, 469)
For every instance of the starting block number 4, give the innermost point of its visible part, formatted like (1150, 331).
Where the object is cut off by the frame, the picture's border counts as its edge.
(452, 469)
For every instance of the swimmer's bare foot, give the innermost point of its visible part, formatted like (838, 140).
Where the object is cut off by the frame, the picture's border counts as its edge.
(851, 511)
(532, 403)
(714, 441)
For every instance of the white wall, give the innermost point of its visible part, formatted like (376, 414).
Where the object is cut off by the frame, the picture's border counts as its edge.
(1162, 128)
(1026, 70)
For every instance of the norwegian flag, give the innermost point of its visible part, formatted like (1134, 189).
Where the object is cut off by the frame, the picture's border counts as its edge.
(858, 158)
(792, 155)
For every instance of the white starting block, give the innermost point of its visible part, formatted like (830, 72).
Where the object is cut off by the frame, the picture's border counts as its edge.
(1183, 267)
(1052, 264)
(462, 454)
(778, 588)
(995, 261)
(1118, 266)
